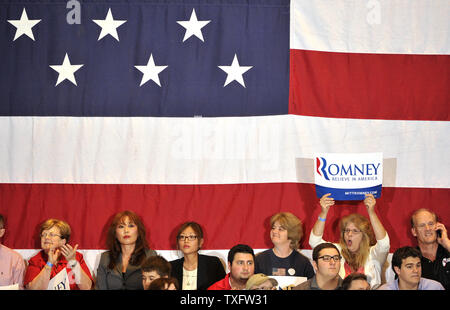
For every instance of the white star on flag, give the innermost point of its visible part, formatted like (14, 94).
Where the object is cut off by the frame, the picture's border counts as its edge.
(109, 26)
(150, 71)
(24, 25)
(66, 71)
(193, 26)
(235, 72)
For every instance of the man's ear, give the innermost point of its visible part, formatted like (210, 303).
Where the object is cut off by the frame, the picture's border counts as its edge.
(2, 232)
(314, 264)
(414, 232)
(397, 270)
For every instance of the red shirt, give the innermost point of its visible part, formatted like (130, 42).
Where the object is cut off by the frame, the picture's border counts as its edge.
(38, 262)
(348, 269)
(222, 285)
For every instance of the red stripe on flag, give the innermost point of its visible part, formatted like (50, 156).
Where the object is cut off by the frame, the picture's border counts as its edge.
(369, 86)
(230, 214)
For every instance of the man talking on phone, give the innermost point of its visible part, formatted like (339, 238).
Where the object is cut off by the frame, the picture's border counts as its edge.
(433, 243)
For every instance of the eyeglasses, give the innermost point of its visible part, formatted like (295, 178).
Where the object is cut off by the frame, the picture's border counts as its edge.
(190, 238)
(51, 235)
(327, 258)
(354, 231)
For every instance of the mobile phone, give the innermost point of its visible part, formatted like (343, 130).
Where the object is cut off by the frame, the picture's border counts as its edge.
(439, 233)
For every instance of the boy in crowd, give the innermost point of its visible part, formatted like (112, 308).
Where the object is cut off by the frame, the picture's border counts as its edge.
(406, 263)
(153, 268)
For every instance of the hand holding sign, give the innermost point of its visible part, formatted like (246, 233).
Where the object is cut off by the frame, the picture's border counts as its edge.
(370, 202)
(326, 202)
(348, 176)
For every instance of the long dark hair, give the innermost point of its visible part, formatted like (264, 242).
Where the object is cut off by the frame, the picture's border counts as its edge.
(113, 244)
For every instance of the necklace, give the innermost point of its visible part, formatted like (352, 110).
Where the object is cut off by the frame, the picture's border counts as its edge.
(189, 278)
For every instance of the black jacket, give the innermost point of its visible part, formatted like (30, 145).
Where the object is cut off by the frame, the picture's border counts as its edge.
(209, 271)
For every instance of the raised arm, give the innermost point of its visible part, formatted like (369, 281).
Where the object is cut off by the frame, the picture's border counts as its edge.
(325, 203)
(81, 278)
(443, 239)
(378, 228)
(40, 282)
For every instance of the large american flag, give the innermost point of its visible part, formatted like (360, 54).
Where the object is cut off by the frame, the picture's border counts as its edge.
(212, 111)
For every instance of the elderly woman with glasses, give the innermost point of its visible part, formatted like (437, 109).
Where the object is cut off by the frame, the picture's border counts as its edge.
(195, 271)
(56, 255)
(364, 243)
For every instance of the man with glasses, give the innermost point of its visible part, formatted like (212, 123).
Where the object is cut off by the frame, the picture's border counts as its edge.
(326, 263)
(12, 265)
(434, 245)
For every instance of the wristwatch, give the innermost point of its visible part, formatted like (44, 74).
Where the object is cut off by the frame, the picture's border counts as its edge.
(72, 263)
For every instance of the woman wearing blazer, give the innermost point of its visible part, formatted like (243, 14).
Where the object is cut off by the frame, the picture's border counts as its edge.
(120, 267)
(195, 271)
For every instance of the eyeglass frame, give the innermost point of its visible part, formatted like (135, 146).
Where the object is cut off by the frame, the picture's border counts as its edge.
(51, 235)
(328, 258)
(354, 231)
(184, 238)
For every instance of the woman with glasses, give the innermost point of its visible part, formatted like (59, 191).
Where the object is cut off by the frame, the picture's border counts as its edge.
(120, 267)
(364, 243)
(57, 254)
(195, 271)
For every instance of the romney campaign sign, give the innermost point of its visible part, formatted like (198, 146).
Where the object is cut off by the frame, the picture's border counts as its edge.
(348, 176)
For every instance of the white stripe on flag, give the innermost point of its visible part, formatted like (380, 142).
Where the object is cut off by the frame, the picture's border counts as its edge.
(232, 150)
(371, 26)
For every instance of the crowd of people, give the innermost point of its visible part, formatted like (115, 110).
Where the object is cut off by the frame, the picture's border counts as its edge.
(354, 262)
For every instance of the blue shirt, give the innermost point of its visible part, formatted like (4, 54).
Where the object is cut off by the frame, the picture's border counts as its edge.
(424, 284)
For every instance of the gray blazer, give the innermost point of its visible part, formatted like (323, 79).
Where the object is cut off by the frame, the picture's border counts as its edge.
(114, 279)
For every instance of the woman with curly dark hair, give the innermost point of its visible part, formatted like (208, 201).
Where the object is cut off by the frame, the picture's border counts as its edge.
(120, 267)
